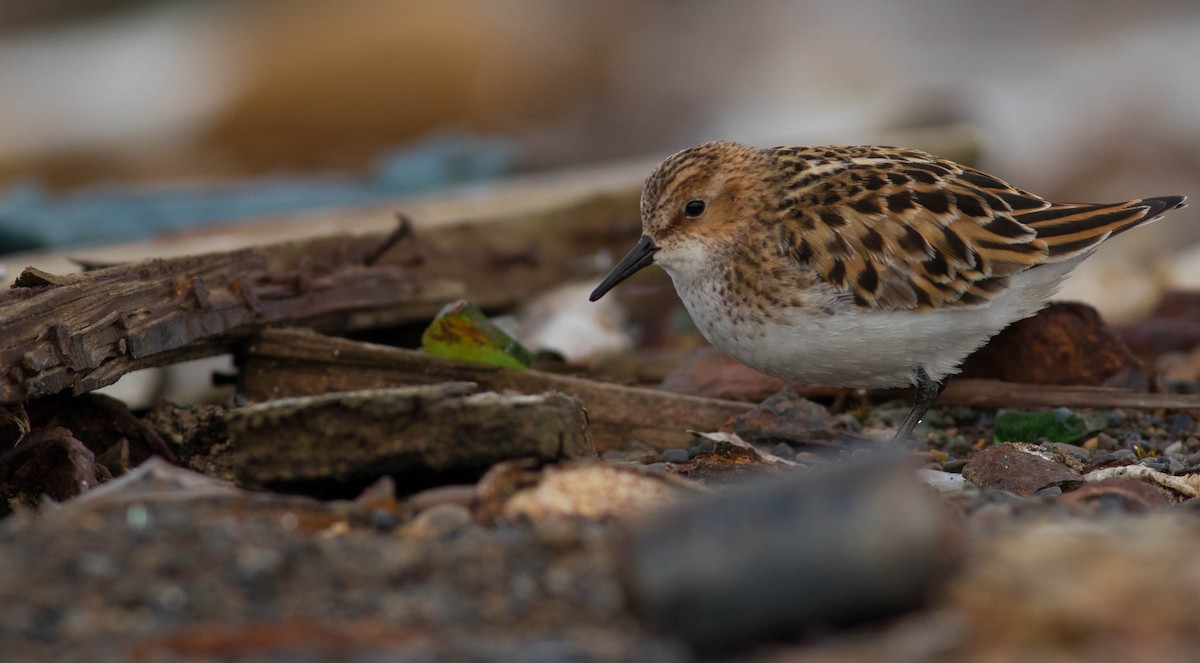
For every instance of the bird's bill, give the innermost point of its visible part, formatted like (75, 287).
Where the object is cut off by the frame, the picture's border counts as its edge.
(639, 256)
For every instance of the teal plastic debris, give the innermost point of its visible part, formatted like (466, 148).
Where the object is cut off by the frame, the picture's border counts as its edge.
(33, 218)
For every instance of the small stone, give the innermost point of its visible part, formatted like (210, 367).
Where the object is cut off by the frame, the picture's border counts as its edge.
(785, 417)
(1118, 457)
(675, 455)
(1179, 422)
(1129, 495)
(1107, 442)
(1092, 443)
(954, 465)
(1157, 464)
(438, 521)
(1192, 460)
(848, 422)
(1175, 466)
(704, 446)
(944, 482)
(1077, 451)
(784, 450)
(1174, 450)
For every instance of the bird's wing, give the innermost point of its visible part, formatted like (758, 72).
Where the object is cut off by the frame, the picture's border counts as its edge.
(903, 230)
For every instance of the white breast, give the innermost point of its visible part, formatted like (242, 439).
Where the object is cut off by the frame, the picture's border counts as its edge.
(856, 348)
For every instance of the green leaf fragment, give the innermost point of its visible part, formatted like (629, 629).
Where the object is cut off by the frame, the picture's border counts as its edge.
(1057, 425)
(462, 331)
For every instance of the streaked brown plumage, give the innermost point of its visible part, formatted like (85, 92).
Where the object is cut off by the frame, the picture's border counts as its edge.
(861, 266)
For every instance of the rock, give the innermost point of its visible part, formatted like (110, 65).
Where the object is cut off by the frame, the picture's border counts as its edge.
(1065, 343)
(1108, 458)
(1117, 493)
(1072, 589)
(100, 422)
(675, 455)
(437, 521)
(728, 571)
(47, 461)
(1022, 468)
(785, 417)
(945, 482)
(597, 491)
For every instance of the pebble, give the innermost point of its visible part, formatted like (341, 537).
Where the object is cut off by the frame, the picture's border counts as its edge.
(1108, 457)
(848, 422)
(957, 445)
(784, 451)
(954, 465)
(1106, 442)
(438, 521)
(675, 455)
(1192, 460)
(1175, 449)
(1076, 451)
(704, 446)
(1157, 464)
(1175, 466)
(1179, 422)
(946, 482)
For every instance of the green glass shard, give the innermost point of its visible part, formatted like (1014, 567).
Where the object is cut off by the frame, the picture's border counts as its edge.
(1057, 425)
(462, 331)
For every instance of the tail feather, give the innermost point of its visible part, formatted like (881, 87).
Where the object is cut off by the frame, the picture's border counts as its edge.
(1072, 229)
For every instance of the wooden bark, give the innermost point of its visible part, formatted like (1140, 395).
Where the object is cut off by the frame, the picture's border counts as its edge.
(290, 362)
(83, 331)
(361, 435)
(993, 393)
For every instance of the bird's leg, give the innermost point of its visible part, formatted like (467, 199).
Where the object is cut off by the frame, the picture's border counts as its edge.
(928, 390)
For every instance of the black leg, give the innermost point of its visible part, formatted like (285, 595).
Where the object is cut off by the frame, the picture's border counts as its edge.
(928, 390)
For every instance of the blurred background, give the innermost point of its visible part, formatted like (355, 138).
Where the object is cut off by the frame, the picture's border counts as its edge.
(151, 114)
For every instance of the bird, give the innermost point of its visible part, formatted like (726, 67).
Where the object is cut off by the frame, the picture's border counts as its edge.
(859, 266)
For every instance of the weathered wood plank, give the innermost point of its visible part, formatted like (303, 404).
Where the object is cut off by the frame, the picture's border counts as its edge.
(292, 362)
(993, 393)
(408, 431)
(83, 331)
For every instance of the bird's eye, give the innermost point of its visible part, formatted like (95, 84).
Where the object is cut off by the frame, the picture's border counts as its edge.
(693, 209)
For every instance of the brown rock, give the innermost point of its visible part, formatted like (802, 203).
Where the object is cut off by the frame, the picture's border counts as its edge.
(593, 491)
(785, 417)
(1129, 495)
(1021, 468)
(48, 461)
(1065, 343)
(100, 422)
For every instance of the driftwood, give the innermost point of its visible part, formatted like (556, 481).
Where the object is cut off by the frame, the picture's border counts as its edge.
(83, 331)
(443, 428)
(290, 362)
(993, 393)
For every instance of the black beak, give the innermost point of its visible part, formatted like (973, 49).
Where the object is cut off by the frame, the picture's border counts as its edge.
(639, 256)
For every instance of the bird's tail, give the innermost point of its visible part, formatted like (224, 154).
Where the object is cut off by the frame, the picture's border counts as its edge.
(1073, 229)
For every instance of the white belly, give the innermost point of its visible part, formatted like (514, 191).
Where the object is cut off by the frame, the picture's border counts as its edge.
(856, 348)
